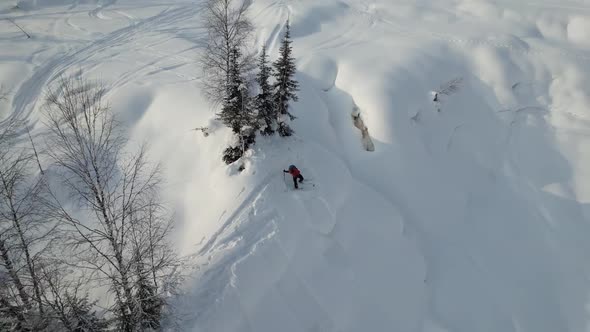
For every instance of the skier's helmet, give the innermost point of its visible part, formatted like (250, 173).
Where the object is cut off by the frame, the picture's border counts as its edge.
(292, 167)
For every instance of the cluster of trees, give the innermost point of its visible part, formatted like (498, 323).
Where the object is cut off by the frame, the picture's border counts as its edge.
(228, 69)
(90, 219)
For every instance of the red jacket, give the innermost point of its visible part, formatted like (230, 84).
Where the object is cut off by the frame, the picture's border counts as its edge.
(294, 172)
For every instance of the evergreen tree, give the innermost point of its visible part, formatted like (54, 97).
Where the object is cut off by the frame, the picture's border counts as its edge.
(150, 304)
(82, 317)
(263, 102)
(237, 112)
(285, 85)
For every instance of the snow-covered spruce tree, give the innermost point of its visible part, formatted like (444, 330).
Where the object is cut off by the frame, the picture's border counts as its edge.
(237, 112)
(285, 85)
(68, 301)
(263, 102)
(149, 304)
(83, 316)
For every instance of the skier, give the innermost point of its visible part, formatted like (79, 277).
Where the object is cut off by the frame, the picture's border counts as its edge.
(296, 174)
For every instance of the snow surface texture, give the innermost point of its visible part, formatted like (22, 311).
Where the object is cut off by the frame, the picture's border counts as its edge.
(472, 214)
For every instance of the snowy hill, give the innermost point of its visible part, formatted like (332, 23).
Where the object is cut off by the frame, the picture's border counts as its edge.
(471, 214)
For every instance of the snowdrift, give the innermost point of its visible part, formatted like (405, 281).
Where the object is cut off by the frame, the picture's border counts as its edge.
(471, 213)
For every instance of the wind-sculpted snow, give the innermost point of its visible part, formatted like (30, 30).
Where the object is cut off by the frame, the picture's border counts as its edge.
(471, 185)
(471, 214)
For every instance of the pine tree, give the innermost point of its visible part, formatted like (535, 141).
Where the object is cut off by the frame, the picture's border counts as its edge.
(150, 304)
(263, 102)
(237, 112)
(82, 317)
(285, 85)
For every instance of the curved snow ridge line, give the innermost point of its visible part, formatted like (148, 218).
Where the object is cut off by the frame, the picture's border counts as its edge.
(328, 238)
(155, 69)
(291, 278)
(126, 15)
(358, 30)
(97, 12)
(27, 94)
(281, 15)
(413, 233)
(340, 40)
(307, 198)
(46, 74)
(366, 140)
(532, 50)
(462, 42)
(410, 226)
(274, 37)
(547, 5)
(284, 280)
(287, 277)
(254, 194)
(335, 41)
(143, 48)
(340, 155)
(233, 278)
(219, 271)
(324, 227)
(74, 26)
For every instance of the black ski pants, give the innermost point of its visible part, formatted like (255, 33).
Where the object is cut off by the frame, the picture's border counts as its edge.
(300, 177)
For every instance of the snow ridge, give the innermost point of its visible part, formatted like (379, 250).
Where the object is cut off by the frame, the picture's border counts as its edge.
(471, 213)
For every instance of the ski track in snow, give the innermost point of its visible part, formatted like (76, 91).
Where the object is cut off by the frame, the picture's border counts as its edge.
(413, 227)
(26, 97)
(372, 247)
(242, 208)
(473, 42)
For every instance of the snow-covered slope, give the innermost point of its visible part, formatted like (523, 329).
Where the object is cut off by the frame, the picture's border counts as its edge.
(472, 213)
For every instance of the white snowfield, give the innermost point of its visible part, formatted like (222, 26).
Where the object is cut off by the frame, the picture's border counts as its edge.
(471, 215)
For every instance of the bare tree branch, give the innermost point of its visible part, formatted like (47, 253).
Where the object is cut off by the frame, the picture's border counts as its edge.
(19, 27)
(227, 28)
(25, 230)
(122, 235)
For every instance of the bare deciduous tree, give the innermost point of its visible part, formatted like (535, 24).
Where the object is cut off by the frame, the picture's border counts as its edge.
(228, 28)
(25, 230)
(121, 229)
